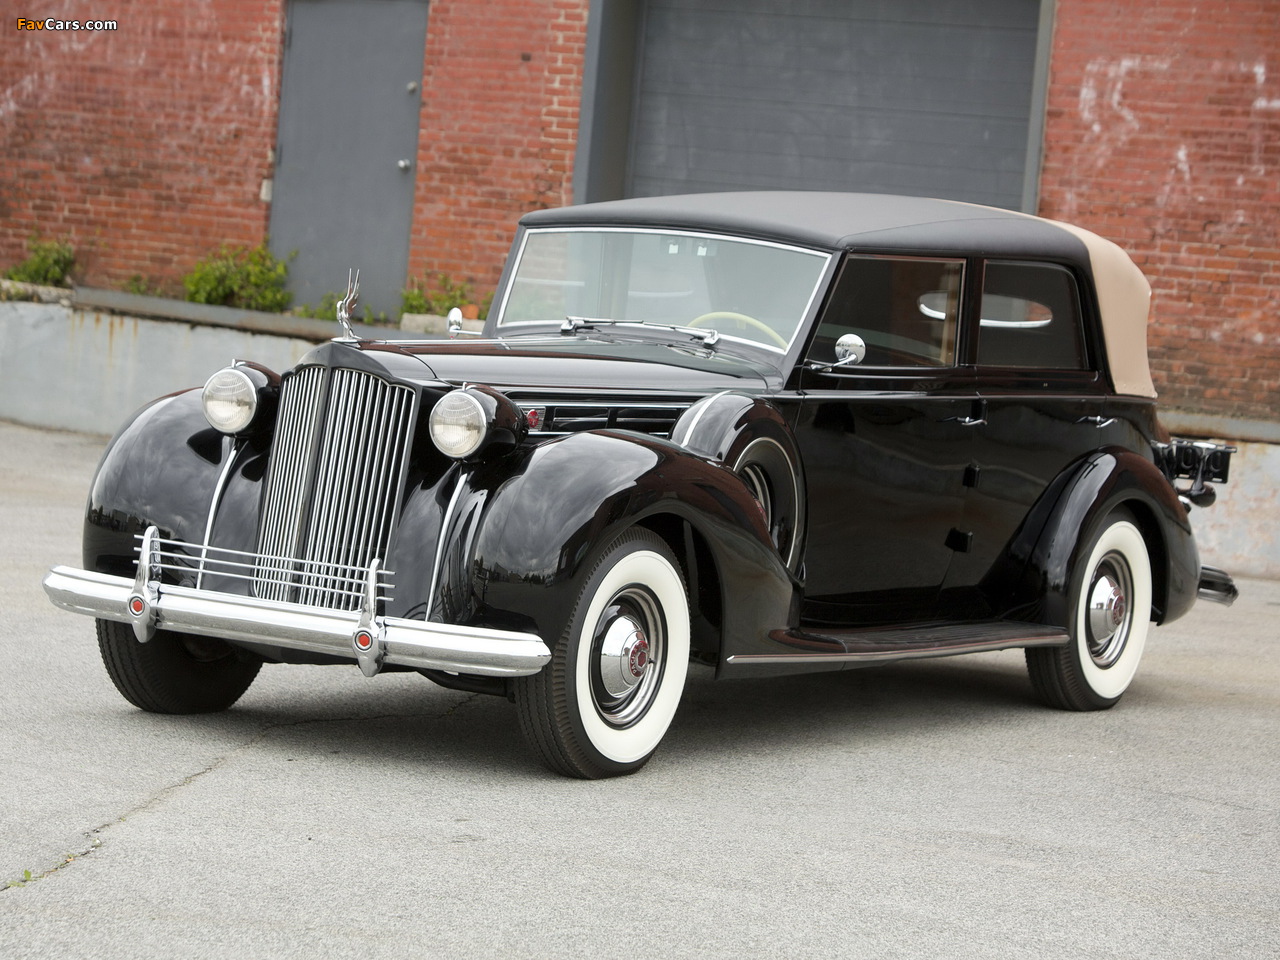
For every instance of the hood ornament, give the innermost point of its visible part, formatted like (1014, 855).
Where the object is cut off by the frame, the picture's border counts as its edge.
(346, 304)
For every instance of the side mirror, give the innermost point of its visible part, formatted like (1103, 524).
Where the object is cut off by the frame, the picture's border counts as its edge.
(454, 320)
(850, 349)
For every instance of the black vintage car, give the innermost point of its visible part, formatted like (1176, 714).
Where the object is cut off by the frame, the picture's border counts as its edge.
(773, 432)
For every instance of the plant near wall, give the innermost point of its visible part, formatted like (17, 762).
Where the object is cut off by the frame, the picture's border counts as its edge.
(252, 279)
(420, 297)
(49, 263)
(144, 286)
(327, 309)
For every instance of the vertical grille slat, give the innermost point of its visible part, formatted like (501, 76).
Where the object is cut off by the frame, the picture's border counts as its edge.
(333, 486)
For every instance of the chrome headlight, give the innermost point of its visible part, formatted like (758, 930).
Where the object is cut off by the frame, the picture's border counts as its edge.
(473, 420)
(233, 398)
(458, 424)
(230, 400)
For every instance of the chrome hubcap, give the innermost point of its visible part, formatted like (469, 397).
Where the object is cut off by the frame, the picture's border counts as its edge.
(1107, 618)
(627, 651)
(624, 656)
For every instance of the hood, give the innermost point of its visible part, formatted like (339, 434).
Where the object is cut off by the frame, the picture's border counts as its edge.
(573, 363)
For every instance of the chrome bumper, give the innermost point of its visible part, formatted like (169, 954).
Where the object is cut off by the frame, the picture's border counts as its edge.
(371, 641)
(1217, 585)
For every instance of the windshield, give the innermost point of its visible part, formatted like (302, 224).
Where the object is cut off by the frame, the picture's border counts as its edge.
(746, 290)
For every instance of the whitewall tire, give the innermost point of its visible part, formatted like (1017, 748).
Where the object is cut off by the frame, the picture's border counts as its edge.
(1111, 615)
(604, 703)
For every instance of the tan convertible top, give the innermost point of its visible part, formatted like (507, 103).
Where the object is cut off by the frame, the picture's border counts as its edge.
(1124, 302)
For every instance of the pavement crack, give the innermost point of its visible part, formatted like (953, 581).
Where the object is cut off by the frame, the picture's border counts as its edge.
(95, 838)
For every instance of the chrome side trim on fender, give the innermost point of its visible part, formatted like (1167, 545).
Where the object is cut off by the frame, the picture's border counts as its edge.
(408, 643)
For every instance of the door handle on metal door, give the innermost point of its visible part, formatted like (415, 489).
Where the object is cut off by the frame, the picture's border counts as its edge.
(1098, 422)
(403, 164)
(977, 415)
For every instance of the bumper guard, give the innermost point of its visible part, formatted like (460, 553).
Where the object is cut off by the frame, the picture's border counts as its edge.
(370, 640)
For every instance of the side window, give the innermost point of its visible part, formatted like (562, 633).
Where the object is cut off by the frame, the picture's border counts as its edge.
(1030, 317)
(904, 310)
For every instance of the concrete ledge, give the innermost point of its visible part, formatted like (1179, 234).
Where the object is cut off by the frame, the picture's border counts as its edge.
(1210, 426)
(254, 321)
(86, 369)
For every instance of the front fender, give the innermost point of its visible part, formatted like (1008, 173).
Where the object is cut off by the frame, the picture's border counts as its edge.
(161, 468)
(545, 525)
(1049, 543)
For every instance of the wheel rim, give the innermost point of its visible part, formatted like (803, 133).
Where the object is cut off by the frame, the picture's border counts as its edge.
(628, 648)
(1110, 611)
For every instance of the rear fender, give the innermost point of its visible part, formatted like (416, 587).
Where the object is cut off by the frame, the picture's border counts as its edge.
(1048, 545)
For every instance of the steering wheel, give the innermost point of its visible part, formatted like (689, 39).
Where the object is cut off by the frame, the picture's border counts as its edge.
(741, 318)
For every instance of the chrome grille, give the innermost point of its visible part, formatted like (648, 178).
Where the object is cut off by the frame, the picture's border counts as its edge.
(334, 485)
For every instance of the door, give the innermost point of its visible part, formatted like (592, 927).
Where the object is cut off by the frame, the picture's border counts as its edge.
(885, 442)
(347, 146)
(1043, 407)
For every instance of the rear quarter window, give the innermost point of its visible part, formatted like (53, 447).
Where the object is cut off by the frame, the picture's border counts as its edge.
(1030, 317)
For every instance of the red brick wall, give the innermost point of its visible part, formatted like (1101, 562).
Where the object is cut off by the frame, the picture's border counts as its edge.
(1163, 134)
(147, 145)
(499, 126)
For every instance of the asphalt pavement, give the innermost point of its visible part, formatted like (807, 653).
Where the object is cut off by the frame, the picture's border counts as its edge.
(930, 809)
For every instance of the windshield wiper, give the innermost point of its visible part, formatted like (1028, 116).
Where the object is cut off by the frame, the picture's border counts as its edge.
(572, 325)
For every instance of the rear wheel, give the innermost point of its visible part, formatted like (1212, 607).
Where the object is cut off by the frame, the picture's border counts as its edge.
(174, 672)
(1111, 613)
(606, 699)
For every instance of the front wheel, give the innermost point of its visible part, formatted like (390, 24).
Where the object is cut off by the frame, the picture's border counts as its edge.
(174, 672)
(604, 702)
(1111, 613)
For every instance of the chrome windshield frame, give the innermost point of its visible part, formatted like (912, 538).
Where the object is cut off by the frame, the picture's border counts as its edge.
(826, 258)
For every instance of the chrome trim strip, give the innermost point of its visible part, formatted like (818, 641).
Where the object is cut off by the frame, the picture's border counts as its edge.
(445, 520)
(409, 643)
(923, 651)
(230, 450)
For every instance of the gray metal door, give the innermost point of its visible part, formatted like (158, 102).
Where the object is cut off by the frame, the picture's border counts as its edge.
(348, 145)
(925, 97)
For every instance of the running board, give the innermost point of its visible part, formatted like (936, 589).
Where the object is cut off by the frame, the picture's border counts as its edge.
(865, 646)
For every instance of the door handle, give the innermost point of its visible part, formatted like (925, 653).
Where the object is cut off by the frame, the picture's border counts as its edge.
(1098, 422)
(403, 164)
(976, 417)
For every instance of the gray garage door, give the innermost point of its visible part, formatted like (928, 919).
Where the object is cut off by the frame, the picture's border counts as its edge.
(929, 97)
